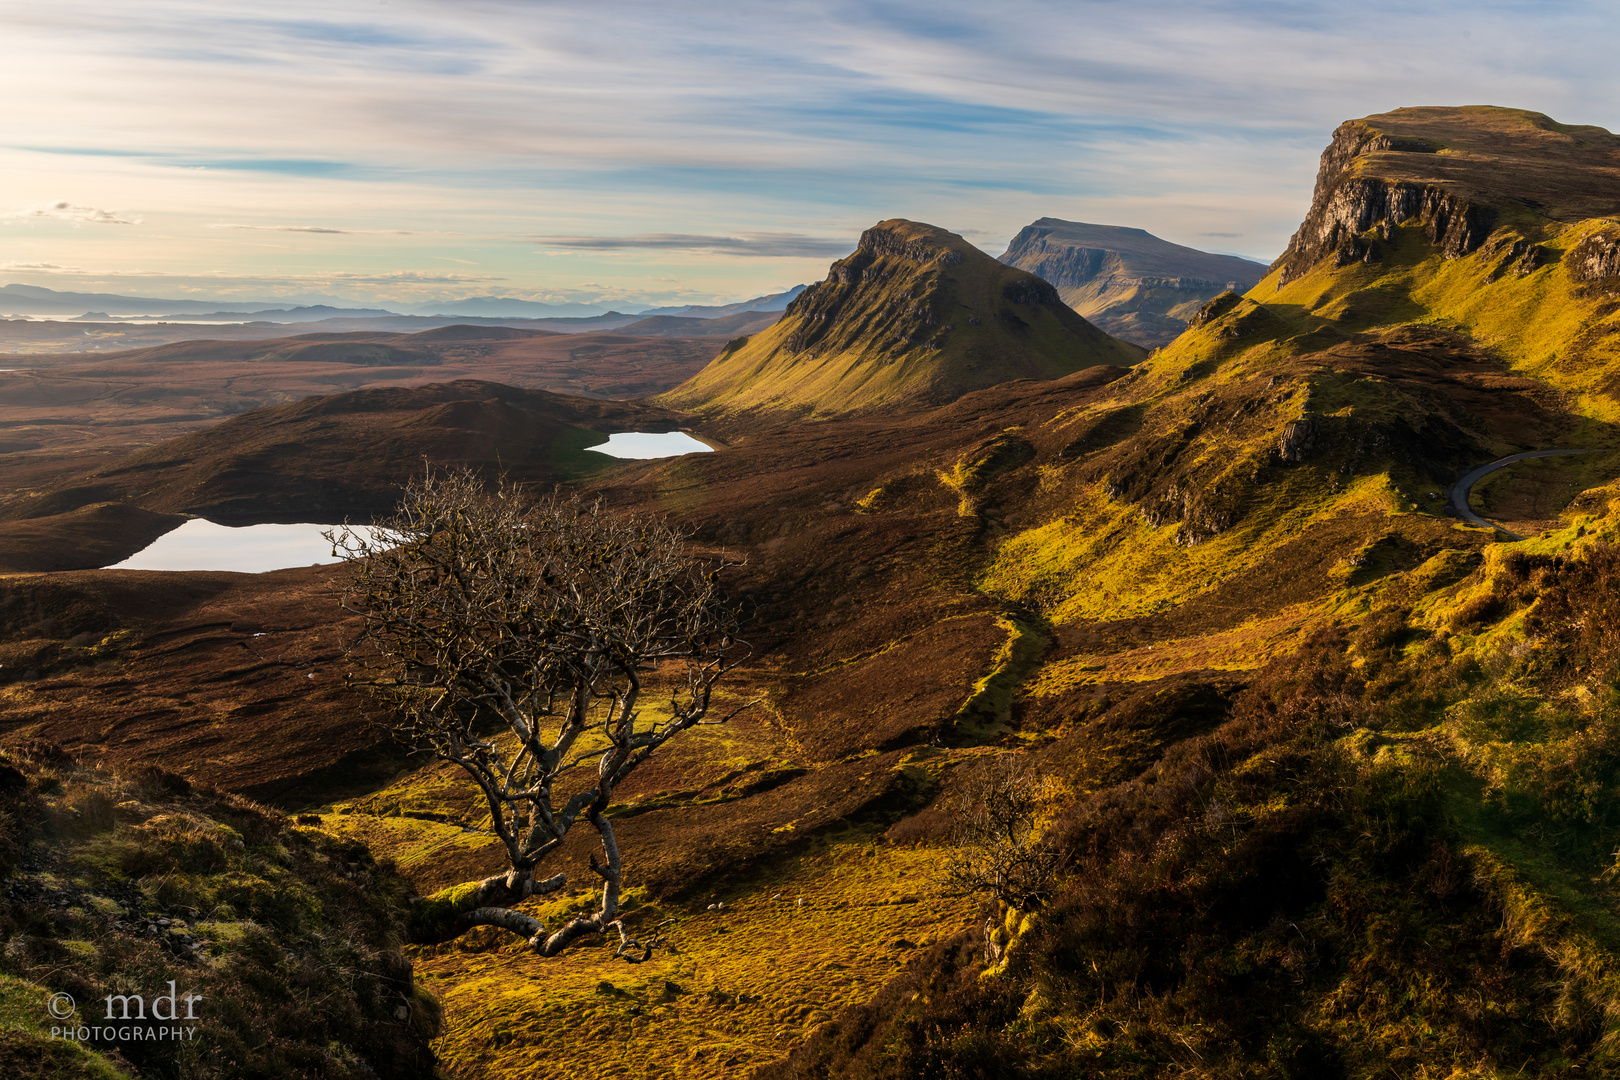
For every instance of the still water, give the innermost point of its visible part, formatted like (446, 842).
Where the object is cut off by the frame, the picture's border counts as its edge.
(250, 549)
(647, 444)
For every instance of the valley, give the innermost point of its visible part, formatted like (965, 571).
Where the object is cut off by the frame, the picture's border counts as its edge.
(1330, 772)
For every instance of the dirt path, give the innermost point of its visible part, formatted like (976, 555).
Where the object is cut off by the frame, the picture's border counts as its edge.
(1457, 500)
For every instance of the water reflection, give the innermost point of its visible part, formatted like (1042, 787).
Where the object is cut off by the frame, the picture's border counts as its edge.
(647, 444)
(249, 549)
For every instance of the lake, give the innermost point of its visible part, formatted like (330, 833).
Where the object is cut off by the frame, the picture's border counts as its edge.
(647, 444)
(248, 549)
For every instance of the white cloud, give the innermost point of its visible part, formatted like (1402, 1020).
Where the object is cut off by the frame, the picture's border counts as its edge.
(45, 267)
(66, 211)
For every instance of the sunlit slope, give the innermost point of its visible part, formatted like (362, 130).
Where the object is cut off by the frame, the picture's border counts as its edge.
(1427, 317)
(916, 316)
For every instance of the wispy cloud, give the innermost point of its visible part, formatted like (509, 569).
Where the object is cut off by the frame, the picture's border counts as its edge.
(706, 140)
(63, 210)
(316, 229)
(45, 267)
(772, 245)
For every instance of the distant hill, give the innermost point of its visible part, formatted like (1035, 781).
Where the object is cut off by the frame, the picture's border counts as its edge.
(743, 322)
(326, 457)
(506, 307)
(36, 300)
(915, 316)
(1127, 281)
(307, 313)
(774, 302)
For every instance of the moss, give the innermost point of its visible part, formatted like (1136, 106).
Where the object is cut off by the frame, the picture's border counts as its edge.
(309, 986)
(27, 1051)
(432, 917)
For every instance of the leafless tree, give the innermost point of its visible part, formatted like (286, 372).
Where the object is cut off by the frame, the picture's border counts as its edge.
(524, 641)
(996, 843)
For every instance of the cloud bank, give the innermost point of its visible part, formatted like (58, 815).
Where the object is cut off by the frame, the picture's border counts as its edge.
(709, 140)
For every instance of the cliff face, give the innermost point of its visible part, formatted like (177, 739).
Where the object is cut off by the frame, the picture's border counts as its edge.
(914, 316)
(1127, 281)
(1457, 173)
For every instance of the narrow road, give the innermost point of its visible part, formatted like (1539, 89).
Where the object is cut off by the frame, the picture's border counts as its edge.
(1458, 499)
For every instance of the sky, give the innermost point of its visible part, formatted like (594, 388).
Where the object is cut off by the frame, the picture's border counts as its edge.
(623, 154)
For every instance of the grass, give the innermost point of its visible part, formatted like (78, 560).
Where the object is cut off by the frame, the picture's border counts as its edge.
(734, 988)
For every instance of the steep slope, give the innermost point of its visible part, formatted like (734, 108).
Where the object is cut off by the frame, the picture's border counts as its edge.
(1127, 281)
(916, 316)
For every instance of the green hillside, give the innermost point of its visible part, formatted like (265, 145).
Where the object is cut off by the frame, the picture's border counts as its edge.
(916, 316)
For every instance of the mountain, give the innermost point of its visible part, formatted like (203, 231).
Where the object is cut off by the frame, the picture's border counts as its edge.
(1356, 711)
(36, 300)
(915, 316)
(773, 302)
(506, 307)
(307, 313)
(1128, 282)
(1463, 175)
(742, 322)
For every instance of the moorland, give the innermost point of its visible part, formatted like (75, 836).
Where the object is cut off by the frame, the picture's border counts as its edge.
(1329, 776)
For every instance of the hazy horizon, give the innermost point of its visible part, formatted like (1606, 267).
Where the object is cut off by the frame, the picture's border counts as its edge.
(399, 153)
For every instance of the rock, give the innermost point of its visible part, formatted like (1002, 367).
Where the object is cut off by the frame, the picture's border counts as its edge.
(1596, 257)
(1297, 439)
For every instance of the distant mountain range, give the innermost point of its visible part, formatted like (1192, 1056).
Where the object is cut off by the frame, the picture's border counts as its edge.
(36, 301)
(1128, 281)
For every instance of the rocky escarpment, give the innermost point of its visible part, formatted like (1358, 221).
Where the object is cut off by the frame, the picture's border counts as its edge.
(1347, 205)
(914, 316)
(1127, 281)
(1458, 174)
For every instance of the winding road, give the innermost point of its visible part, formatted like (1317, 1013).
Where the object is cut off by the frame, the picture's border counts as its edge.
(1457, 500)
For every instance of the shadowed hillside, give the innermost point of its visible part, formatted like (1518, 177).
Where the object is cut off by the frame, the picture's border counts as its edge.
(1127, 281)
(317, 459)
(916, 316)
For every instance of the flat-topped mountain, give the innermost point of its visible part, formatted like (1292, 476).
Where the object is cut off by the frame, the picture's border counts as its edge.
(1127, 281)
(915, 316)
(1460, 173)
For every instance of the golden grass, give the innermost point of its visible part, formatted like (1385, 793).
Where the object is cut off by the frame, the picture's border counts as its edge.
(735, 990)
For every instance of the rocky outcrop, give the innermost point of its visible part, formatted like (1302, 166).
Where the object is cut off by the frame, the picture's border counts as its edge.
(1347, 204)
(1127, 281)
(1457, 172)
(1595, 258)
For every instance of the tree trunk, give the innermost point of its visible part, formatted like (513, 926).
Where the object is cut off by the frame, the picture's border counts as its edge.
(451, 912)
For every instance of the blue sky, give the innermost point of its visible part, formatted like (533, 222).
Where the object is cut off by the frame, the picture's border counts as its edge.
(642, 153)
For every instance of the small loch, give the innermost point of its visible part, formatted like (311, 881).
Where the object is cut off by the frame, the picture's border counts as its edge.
(648, 444)
(250, 549)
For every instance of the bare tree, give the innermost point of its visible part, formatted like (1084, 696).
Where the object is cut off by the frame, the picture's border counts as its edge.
(524, 641)
(996, 842)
